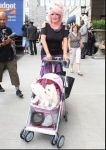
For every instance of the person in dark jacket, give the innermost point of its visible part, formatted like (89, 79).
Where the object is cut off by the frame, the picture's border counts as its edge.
(84, 35)
(32, 31)
(7, 57)
(91, 41)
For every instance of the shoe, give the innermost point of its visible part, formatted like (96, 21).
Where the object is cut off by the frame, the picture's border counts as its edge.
(80, 74)
(82, 57)
(1, 89)
(31, 54)
(71, 71)
(89, 54)
(19, 93)
(35, 53)
(27, 52)
(24, 51)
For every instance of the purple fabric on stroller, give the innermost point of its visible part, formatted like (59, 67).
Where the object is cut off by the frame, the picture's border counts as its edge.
(48, 68)
(45, 69)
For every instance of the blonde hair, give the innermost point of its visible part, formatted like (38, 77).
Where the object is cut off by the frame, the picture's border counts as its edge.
(55, 6)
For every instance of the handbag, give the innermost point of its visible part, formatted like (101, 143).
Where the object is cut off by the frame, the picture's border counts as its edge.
(68, 88)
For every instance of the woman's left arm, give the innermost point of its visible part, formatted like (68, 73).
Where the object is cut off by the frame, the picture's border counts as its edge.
(65, 48)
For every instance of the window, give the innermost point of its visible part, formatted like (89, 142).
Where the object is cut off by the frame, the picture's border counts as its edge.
(42, 2)
(83, 2)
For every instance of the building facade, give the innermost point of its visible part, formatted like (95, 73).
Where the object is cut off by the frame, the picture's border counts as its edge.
(36, 10)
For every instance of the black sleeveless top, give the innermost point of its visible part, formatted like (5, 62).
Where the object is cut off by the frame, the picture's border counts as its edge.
(54, 39)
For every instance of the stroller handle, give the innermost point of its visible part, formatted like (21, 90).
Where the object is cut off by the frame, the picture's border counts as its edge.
(57, 60)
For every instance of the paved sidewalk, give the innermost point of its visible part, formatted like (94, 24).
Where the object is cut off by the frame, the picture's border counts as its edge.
(85, 128)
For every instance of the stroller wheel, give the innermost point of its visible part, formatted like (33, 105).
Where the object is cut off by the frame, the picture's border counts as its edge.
(23, 133)
(55, 139)
(29, 136)
(60, 141)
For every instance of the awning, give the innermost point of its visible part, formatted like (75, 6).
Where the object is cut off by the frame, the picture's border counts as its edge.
(71, 19)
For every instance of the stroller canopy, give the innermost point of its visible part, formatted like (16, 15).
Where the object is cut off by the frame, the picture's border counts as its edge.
(55, 78)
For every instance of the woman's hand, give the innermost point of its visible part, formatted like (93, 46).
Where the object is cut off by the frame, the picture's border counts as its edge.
(49, 57)
(81, 46)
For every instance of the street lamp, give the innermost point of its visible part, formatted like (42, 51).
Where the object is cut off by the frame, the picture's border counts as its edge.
(83, 11)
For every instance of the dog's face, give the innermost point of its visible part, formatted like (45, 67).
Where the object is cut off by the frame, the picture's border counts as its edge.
(50, 90)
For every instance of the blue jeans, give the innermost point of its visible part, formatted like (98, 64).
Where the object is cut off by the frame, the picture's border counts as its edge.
(25, 42)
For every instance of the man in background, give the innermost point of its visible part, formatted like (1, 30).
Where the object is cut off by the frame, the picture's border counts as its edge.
(32, 31)
(84, 36)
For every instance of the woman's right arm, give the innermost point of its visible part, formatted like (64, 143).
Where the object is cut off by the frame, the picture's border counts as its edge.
(45, 46)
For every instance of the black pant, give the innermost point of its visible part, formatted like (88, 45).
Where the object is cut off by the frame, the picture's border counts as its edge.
(11, 66)
(89, 48)
(32, 44)
(84, 50)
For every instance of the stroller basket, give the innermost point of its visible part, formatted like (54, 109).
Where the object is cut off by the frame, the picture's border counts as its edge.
(44, 118)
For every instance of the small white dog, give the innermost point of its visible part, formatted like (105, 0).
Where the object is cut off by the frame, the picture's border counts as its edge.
(39, 92)
(50, 90)
(45, 97)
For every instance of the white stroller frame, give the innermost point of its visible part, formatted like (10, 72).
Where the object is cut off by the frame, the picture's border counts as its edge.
(27, 133)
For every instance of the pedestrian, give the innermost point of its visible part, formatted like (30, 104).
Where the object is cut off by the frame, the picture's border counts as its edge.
(91, 41)
(84, 35)
(7, 57)
(54, 35)
(25, 41)
(75, 44)
(32, 31)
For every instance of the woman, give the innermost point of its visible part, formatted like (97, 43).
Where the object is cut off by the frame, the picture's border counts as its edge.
(54, 35)
(75, 45)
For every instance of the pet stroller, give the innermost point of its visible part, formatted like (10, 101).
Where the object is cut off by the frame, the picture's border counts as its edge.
(44, 117)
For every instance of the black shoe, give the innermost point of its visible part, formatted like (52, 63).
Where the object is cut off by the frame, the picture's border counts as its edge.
(82, 57)
(35, 52)
(31, 54)
(19, 93)
(89, 54)
(80, 74)
(1, 89)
